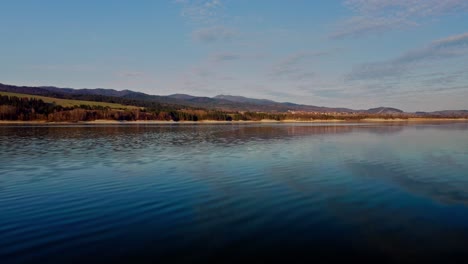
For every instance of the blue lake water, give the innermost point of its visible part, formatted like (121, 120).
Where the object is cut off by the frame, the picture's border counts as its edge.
(233, 192)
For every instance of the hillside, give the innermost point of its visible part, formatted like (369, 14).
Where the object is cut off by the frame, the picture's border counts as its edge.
(69, 102)
(384, 110)
(127, 99)
(52, 104)
(219, 102)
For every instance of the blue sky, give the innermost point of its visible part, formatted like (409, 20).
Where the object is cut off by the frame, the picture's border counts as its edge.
(410, 54)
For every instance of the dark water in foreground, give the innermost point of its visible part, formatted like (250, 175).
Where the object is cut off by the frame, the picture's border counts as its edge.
(230, 193)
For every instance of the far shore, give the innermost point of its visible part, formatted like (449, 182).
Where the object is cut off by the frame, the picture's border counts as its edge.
(369, 120)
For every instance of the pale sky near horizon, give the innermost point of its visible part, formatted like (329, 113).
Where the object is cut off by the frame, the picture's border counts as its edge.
(409, 54)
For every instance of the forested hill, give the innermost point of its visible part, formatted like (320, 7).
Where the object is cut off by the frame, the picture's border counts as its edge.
(220, 102)
(28, 103)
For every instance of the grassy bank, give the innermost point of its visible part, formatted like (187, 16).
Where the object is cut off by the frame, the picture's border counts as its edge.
(69, 102)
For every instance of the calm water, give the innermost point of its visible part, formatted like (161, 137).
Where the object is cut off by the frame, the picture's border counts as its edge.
(230, 193)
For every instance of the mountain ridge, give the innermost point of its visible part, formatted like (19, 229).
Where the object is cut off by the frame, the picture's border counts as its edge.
(218, 102)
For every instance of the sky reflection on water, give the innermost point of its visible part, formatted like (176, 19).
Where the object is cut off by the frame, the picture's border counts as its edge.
(381, 192)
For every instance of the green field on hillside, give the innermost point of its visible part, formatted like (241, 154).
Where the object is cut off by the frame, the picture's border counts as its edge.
(69, 102)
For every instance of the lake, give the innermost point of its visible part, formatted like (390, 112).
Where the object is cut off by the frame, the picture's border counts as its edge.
(234, 192)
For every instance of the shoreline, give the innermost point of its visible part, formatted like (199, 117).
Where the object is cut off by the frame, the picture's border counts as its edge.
(115, 122)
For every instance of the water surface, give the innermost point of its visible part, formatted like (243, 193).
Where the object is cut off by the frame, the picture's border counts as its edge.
(233, 192)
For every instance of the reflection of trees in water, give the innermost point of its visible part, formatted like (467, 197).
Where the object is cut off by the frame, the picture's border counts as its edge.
(277, 132)
(70, 147)
(268, 132)
(114, 141)
(66, 148)
(385, 129)
(443, 125)
(183, 134)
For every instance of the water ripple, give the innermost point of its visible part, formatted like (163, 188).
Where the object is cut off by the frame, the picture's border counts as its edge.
(228, 192)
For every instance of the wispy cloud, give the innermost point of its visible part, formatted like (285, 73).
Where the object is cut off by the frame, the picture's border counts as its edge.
(378, 16)
(225, 56)
(444, 79)
(131, 74)
(442, 49)
(201, 11)
(64, 67)
(209, 19)
(363, 25)
(214, 34)
(295, 66)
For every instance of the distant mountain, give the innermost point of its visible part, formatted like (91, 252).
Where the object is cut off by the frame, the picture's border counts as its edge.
(52, 90)
(269, 105)
(97, 91)
(24, 89)
(384, 110)
(182, 96)
(445, 113)
(219, 102)
(242, 99)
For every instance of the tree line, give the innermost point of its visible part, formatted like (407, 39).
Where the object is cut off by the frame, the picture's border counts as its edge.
(32, 109)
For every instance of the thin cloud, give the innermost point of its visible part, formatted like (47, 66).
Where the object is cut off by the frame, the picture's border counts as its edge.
(203, 72)
(201, 11)
(132, 74)
(450, 47)
(220, 57)
(214, 34)
(378, 16)
(64, 67)
(445, 79)
(362, 25)
(209, 19)
(295, 66)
